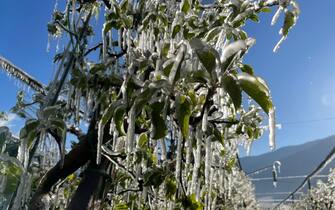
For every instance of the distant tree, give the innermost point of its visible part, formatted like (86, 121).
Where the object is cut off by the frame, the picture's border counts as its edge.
(162, 96)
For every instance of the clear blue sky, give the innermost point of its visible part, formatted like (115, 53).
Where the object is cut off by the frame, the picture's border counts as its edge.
(301, 75)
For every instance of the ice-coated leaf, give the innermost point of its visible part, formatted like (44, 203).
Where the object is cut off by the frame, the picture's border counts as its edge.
(159, 127)
(185, 6)
(175, 30)
(12, 169)
(143, 140)
(190, 202)
(183, 106)
(177, 65)
(200, 76)
(256, 90)
(30, 130)
(231, 49)
(119, 119)
(206, 54)
(247, 69)
(288, 22)
(171, 188)
(230, 84)
(49, 111)
(154, 177)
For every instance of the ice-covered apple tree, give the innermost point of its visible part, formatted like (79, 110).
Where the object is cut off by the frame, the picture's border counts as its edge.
(322, 196)
(162, 94)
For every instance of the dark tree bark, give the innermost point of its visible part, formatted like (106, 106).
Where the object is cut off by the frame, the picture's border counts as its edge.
(84, 152)
(88, 187)
(76, 158)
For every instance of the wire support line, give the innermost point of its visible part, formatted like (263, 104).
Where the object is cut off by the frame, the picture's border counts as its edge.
(287, 177)
(321, 166)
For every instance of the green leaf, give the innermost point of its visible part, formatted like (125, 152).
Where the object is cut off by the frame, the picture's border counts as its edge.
(128, 21)
(230, 84)
(124, 6)
(121, 206)
(119, 119)
(159, 127)
(185, 6)
(143, 140)
(58, 123)
(95, 68)
(111, 24)
(30, 125)
(170, 188)
(165, 48)
(154, 177)
(200, 76)
(256, 89)
(183, 106)
(266, 9)
(167, 66)
(175, 30)
(49, 111)
(254, 18)
(206, 54)
(190, 203)
(11, 168)
(143, 98)
(247, 69)
(109, 112)
(288, 22)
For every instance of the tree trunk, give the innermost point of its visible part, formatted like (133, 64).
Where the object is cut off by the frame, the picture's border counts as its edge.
(76, 158)
(88, 187)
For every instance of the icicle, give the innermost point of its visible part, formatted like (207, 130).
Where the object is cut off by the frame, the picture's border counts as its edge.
(48, 44)
(208, 163)
(204, 121)
(73, 12)
(179, 155)
(69, 97)
(77, 105)
(197, 159)
(57, 45)
(276, 16)
(62, 150)
(248, 147)
(56, 5)
(110, 36)
(128, 41)
(120, 38)
(101, 128)
(163, 148)
(272, 129)
(104, 46)
(275, 49)
(176, 65)
(210, 188)
(131, 129)
(124, 39)
(141, 40)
